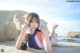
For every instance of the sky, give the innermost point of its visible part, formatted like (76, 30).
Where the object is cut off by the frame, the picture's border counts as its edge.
(65, 14)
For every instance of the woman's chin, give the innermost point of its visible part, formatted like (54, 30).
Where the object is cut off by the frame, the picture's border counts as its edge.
(34, 29)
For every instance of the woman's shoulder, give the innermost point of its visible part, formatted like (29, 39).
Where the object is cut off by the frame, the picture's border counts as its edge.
(38, 30)
(44, 30)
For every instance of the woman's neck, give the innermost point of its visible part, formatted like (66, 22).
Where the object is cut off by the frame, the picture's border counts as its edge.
(32, 32)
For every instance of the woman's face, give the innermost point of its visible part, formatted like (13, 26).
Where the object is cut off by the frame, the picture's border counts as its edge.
(33, 24)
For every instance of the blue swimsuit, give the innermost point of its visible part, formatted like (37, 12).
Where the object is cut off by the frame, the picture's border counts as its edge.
(35, 40)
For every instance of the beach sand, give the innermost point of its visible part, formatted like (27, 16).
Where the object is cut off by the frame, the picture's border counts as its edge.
(63, 47)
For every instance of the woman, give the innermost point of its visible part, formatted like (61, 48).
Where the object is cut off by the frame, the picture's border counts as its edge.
(38, 38)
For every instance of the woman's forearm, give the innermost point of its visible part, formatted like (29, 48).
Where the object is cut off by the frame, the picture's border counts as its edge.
(46, 41)
(19, 42)
(47, 44)
(21, 38)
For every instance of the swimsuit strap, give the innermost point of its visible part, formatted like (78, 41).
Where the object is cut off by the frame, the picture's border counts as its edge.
(35, 32)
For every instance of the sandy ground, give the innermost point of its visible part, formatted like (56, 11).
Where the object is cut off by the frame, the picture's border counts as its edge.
(63, 47)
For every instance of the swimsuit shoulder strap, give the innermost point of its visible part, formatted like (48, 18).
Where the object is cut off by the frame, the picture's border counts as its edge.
(37, 30)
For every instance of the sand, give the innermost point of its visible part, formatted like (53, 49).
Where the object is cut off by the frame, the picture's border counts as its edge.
(63, 47)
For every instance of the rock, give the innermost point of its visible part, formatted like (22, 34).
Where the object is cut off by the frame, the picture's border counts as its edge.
(2, 36)
(10, 31)
(18, 20)
(73, 35)
(6, 16)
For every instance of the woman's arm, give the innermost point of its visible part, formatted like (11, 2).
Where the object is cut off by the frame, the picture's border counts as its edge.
(46, 40)
(21, 37)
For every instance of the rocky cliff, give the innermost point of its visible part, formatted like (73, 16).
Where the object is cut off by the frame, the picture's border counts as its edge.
(73, 34)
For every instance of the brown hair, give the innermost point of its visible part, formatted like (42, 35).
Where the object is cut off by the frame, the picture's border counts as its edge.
(31, 16)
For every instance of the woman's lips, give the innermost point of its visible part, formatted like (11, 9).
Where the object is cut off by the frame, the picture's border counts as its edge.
(33, 27)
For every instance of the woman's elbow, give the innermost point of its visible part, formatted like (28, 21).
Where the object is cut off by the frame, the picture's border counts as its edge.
(49, 50)
(17, 46)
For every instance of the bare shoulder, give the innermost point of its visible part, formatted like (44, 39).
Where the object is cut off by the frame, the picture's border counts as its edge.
(43, 29)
